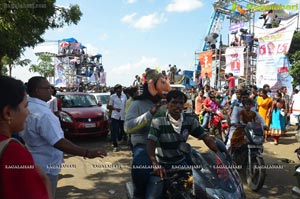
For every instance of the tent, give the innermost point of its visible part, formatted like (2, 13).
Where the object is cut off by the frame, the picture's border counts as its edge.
(69, 40)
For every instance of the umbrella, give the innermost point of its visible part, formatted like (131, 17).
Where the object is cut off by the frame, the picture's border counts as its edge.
(75, 60)
(64, 44)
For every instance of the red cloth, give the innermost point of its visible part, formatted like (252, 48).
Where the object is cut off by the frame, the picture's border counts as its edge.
(206, 102)
(16, 183)
(231, 82)
(58, 104)
(144, 78)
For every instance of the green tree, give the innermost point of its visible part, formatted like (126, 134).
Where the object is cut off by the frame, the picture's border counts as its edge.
(294, 57)
(44, 67)
(13, 63)
(23, 22)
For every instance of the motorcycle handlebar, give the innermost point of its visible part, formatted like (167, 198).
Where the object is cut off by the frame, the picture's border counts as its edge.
(172, 173)
(244, 125)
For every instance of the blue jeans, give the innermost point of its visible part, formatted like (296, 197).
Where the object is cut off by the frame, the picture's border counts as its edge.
(117, 131)
(158, 187)
(205, 120)
(144, 183)
(53, 181)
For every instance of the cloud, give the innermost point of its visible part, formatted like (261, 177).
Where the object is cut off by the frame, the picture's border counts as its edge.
(92, 50)
(104, 37)
(293, 2)
(145, 22)
(131, 1)
(51, 47)
(129, 70)
(129, 19)
(183, 5)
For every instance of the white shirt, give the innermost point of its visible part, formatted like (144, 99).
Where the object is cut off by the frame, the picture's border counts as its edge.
(206, 81)
(41, 132)
(233, 97)
(118, 102)
(53, 104)
(270, 18)
(236, 118)
(296, 104)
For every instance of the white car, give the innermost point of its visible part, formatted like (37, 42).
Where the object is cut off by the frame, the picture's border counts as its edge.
(102, 99)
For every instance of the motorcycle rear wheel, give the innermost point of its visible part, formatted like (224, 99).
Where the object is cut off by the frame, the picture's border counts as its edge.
(220, 133)
(256, 181)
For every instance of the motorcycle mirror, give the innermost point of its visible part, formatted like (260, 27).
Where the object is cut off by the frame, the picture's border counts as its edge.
(185, 147)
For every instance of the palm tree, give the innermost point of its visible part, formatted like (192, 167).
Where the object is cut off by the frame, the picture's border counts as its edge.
(44, 67)
(13, 63)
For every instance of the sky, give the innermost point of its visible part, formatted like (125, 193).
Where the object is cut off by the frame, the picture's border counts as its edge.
(132, 35)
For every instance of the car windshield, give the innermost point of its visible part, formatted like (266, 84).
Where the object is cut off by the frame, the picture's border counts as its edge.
(103, 98)
(72, 101)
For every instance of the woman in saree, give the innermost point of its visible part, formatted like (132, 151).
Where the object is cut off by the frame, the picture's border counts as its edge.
(264, 106)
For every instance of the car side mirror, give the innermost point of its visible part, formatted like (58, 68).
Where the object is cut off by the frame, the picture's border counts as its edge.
(99, 104)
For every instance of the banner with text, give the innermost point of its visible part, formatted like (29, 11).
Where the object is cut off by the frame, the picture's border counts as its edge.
(272, 64)
(235, 61)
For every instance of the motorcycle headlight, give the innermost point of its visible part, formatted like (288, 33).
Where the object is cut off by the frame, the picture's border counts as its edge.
(65, 117)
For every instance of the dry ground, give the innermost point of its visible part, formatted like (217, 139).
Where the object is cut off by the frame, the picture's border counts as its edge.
(106, 178)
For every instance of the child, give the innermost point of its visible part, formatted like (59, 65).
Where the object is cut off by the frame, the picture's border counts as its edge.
(277, 126)
(247, 115)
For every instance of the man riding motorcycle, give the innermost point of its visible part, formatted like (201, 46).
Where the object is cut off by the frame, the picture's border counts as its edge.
(167, 131)
(210, 106)
(236, 117)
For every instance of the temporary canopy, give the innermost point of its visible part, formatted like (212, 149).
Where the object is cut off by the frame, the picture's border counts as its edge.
(69, 40)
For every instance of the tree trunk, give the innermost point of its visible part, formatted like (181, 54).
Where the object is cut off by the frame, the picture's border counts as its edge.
(1, 65)
(10, 69)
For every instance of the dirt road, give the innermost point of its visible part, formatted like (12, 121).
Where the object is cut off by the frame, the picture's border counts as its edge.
(106, 178)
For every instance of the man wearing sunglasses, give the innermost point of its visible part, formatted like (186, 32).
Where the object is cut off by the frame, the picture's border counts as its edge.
(167, 131)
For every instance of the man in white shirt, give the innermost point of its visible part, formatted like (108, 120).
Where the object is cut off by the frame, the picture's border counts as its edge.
(53, 101)
(295, 108)
(269, 19)
(43, 135)
(236, 118)
(206, 80)
(117, 103)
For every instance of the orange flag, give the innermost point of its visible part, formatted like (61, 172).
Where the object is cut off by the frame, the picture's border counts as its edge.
(206, 63)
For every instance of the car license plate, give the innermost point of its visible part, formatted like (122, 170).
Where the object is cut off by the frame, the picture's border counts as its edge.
(90, 125)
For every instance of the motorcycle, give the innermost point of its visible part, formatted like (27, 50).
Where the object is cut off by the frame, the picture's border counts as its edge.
(296, 189)
(218, 123)
(249, 156)
(211, 176)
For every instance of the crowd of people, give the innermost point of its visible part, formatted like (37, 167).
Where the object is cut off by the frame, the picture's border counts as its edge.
(275, 111)
(148, 114)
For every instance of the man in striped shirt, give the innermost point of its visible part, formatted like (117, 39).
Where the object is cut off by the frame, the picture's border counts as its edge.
(168, 130)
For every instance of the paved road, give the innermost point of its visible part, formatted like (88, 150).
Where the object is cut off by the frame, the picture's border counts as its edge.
(106, 178)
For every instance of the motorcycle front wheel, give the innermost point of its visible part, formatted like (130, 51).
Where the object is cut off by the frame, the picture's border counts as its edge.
(255, 175)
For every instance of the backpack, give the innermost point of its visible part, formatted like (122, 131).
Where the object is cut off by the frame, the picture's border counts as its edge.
(4, 143)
